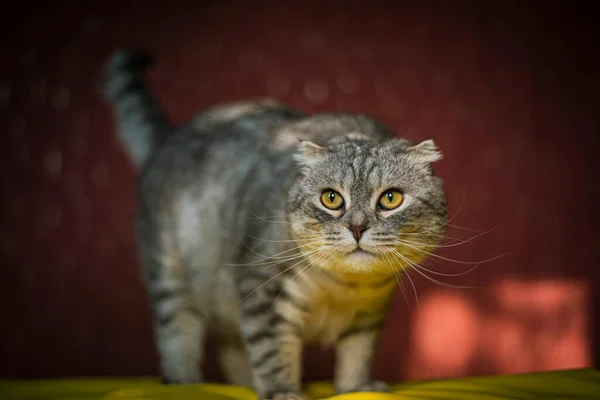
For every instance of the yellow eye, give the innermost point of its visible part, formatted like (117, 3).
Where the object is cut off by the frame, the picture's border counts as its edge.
(391, 199)
(332, 199)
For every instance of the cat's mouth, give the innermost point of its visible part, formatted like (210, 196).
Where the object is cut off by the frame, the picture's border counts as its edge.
(359, 259)
(360, 254)
(360, 250)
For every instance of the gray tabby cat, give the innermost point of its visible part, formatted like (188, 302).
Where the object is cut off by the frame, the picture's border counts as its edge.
(272, 229)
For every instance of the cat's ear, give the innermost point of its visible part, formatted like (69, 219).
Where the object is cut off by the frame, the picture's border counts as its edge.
(310, 149)
(287, 139)
(426, 151)
(308, 152)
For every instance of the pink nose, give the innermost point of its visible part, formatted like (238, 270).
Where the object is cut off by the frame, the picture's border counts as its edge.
(357, 231)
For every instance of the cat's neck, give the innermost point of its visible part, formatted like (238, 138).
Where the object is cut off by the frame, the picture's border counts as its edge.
(372, 278)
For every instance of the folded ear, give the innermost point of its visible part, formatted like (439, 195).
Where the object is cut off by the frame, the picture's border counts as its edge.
(426, 151)
(287, 139)
(308, 153)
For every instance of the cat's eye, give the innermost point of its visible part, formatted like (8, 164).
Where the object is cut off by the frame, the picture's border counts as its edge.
(332, 199)
(390, 199)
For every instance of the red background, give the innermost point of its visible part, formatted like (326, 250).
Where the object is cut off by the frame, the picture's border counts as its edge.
(508, 92)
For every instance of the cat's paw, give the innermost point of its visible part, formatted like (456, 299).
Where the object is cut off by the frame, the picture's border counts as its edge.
(287, 396)
(372, 386)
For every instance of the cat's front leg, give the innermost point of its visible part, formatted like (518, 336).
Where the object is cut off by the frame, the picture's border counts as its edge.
(354, 354)
(275, 352)
(274, 346)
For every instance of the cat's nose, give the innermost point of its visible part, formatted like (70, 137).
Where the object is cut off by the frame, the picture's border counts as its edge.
(357, 230)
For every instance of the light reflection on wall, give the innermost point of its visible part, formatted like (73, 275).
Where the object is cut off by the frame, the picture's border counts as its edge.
(517, 326)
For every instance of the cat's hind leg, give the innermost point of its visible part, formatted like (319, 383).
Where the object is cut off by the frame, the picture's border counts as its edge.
(180, 339)
(179, 326)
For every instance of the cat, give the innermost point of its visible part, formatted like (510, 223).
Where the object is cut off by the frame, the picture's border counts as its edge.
(272, 229)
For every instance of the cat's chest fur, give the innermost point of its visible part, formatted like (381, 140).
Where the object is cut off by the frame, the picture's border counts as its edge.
(327, 306)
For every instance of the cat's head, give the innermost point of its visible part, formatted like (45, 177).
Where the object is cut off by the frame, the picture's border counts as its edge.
(363, 205)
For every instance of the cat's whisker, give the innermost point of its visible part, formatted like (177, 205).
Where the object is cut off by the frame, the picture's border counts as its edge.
(402, 290)
(443, 246)
(446, 223)
(290, 281)
(423, 234)
(450, 240)
(278, 255)
(280, 240)
(306, 254)
(306, 268)
(436, 232)
(267, 281)
(411, 128)
(295, 248)
(268, 219)
(253, 251)
(464, 228)
(406, 261)
(297, 251)
(418, 269)
(396, 275)
(436, 229)
(430, 254)
(414, 291)
(462, 202)
(443, 284)
(278, 215)
(278, 261)
(449, 275)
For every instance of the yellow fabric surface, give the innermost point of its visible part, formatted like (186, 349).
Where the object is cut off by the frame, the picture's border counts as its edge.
(570, 384)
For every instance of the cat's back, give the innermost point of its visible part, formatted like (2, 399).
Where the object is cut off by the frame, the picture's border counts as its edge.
(199, 189)
(218, 145)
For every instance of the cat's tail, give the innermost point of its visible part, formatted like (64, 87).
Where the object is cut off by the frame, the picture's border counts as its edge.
(143, 124)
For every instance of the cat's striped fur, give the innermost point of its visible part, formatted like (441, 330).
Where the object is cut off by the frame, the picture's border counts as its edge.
(233, 237)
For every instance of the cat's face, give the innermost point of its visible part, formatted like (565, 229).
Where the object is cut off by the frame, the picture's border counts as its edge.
(366, 207)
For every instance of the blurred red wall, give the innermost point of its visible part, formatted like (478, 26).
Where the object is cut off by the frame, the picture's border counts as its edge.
(509, 93)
